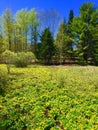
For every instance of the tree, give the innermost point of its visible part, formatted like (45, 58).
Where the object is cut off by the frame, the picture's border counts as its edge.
(60, 40)
(22, 28)
(95, 45)
(71, 16)
(63, 43)
(33, 29)
(86, 14)
(7, 22)
(49, 18)
(69, 24)
(2, 44)
(83, 28)
(47, 46)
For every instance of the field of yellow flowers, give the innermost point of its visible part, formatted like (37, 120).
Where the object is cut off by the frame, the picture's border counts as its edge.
(46, 98)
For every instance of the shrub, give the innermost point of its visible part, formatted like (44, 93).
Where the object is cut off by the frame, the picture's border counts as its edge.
(23, 59)
(8, 58)
(30, 57)
(81, 61)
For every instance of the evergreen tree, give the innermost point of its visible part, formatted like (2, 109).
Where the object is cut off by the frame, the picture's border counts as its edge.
(63, 43)
(69, 34)
(87, 11)
(71, 16)
(60, 41)
(70, 20)
(95, 45)
(83, 28)
(47, 46)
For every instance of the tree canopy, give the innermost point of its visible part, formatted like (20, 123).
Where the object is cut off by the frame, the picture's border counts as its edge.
(49, 37)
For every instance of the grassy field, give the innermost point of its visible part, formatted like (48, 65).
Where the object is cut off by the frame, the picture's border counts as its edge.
(50, 98)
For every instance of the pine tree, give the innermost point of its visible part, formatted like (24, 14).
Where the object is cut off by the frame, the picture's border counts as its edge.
(71, 16)
(69, 34)
(47, 46)
(83, 29)
(60, 41)
(63, 43)
(95, 46)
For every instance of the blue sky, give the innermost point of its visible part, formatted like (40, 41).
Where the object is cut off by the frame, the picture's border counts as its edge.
(63, 6)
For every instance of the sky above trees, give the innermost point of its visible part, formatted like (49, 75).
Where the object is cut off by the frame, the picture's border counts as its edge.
(63, 6)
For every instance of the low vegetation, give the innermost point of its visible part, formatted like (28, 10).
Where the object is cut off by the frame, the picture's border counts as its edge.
(49, 98)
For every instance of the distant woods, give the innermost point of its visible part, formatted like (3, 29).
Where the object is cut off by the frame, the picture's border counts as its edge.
(51, 39)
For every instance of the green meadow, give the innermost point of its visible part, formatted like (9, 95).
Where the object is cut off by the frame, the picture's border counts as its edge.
(49, 98)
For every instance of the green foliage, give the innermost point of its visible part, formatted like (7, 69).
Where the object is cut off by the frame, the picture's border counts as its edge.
(8, 26)
(69, 25)
(24, 58)
(33, 25)
(47, 46)
(63, 43)
(30, 57)
(81, 61)
(95, 45)
(71, 16)
(8, 58)
(60, 40)
(3, 80)
(84, 31)
(50, 98)
(21, 61)
(79, 35)
(15, 30)
(22, 20)
(2, 44)
(86, 11)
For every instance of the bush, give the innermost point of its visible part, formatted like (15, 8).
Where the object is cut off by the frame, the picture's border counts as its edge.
(30, 57)
(23, 59)
(8, 57)
(81, 61)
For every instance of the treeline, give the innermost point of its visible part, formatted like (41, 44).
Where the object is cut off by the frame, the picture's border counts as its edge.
(51, 40)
